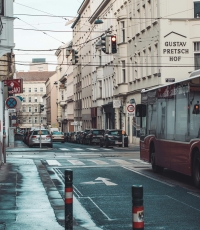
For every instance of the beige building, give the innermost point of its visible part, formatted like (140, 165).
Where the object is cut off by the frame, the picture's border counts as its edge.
(52, 85)
(33, 91)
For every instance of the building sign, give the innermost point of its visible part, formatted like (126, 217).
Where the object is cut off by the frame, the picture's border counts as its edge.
(116, 103)
(16, 84)
(170, 79)
(175, 49)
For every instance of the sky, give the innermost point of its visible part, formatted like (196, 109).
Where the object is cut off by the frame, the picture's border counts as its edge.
(37, 40)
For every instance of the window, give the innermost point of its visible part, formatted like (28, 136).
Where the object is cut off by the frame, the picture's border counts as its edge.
(197, 9)
(29, 99)
(35, 100)
(24, 90)
(197, 55)
(123, 31)
(24, 109)
(123, 71)
(24, 120)
(62, 95)
(35, 89)
(1, 7)
(41, 89)
(36, 119)
(24, 99)
(29, 109)
(29, 120)
(36, 109)
(29, 90)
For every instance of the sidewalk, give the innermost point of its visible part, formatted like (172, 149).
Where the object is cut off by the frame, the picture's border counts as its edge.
(28, 198)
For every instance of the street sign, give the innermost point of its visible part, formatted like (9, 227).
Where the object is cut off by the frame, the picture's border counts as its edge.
(11, 103)
(74, 123)
(12, 110)
(16, 84)
(130, 109)
(116, 103)
(170, 79)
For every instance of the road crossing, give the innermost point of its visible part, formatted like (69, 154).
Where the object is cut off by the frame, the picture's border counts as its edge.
(95, 162)
(85, 149)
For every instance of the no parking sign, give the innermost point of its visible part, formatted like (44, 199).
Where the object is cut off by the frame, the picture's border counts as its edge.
(130, 108)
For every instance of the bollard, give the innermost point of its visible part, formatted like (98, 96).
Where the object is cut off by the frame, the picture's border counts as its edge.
(68, 199)
(137, 207)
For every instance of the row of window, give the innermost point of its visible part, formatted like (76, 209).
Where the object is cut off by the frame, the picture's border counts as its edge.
(30, 109)
(31, 120)
(31, 99)
(29, 90)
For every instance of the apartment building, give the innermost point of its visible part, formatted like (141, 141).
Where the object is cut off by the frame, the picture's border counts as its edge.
(33, 91)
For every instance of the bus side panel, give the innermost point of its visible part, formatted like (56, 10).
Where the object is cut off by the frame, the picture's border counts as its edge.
(145, 148)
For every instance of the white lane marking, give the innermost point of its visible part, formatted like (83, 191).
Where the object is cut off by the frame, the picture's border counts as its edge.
(123, 162)
(135, 171)
(183, 203)
(193, 194)
(64, 149)
(76, 162)
(53, 162)
(106, 149)
(77, 149)
(100, 209)
(99, 162)
(92, 149)
(140, 161)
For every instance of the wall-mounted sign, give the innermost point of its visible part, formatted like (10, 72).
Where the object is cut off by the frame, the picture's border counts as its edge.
(170, 79)
(116, 103)
(16, 84)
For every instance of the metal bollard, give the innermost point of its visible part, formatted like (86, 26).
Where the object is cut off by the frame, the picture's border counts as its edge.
(68, 199)
(137, 207)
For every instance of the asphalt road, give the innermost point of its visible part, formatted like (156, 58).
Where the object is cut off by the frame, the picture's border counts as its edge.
(102, 188)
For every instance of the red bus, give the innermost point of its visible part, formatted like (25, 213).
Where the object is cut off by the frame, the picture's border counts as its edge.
(170, 127)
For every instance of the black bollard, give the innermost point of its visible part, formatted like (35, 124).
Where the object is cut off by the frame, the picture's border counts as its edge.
(68, 199)
(137, 207)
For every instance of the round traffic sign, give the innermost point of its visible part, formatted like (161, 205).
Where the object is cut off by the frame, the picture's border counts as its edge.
(130, 108)
(11, 103)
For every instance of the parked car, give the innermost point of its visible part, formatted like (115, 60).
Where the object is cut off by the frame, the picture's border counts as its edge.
(78, 137)
(44, 134)
(83, 136)
(58, 136)
(113, 137)
(94, 135)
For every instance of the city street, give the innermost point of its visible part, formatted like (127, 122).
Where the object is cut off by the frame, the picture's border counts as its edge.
(102, 181)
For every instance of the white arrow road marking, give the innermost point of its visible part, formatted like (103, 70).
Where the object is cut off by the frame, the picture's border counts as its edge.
(103, 180)
(106, 181)
(53, 162)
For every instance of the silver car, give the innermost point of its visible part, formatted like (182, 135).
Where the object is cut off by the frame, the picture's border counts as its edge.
(46, 138)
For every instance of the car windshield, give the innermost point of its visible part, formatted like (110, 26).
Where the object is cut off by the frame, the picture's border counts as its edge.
(44, 132)
(57, 133)
(96, 132)
(116, 132)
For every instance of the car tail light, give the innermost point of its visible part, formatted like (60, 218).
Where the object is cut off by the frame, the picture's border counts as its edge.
(34, 137)
(48, 136)
(63, 137)
(52, 136)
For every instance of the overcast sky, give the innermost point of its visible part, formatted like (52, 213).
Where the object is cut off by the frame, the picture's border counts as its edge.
(36, 40)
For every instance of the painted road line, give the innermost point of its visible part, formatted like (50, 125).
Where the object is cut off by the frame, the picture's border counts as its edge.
(140, 161)
(77, 149)
(99, 162)
(64, 149)
(106, 149)
(53, 162)
(142, 174)
(76, 162)
(92, 149)
(194, 194)
(121, 162)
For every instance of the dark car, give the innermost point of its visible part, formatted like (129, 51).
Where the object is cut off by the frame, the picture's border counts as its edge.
(94, 136)
(113, 137)
(82, 137)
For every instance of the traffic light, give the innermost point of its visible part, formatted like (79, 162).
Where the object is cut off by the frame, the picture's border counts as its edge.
(74, 57)
(105, 44)
(113, 44)
(196, 108)
(41, 108)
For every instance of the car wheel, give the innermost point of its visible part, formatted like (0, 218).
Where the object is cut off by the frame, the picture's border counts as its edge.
(155, 168)
(30, 146)
(101, 144)
(51, 146)
(120, 145)
(126, 145)
(196, 169)
(63, 142)
(90, 142)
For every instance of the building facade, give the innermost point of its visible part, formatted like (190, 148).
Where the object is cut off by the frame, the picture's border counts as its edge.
(33, 91)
